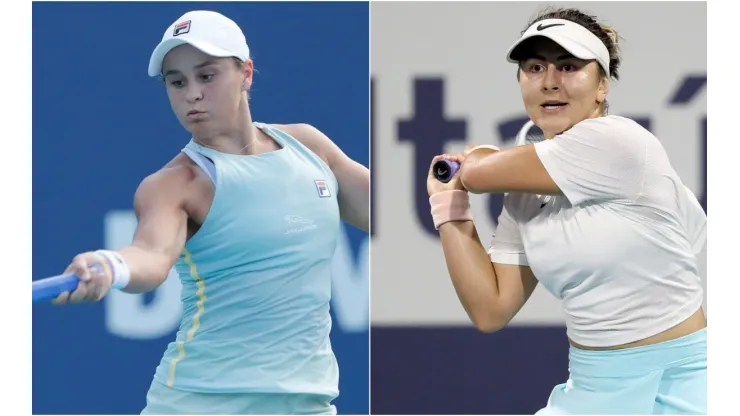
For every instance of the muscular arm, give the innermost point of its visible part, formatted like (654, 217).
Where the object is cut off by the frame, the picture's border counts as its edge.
(353, 178)
(491, 293)
(518, 169)
(599, 159)
(162, 229)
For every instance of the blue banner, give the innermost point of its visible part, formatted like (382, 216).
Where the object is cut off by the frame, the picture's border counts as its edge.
(100, 125)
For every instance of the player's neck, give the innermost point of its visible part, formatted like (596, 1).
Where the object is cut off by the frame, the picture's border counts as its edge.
(551, 134)
(241, 139)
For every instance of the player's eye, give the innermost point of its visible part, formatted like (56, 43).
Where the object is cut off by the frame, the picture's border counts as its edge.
(568, 68)
(536, 67)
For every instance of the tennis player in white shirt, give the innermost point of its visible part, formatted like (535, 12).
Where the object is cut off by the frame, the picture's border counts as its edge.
(598, 216)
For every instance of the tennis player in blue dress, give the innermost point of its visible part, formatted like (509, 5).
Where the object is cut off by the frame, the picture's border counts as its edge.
(249, 214)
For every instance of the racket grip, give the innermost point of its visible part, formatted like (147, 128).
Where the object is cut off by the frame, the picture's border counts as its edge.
(51, 287)
(445, 170)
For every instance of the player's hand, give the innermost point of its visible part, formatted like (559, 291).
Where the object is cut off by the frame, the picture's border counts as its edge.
(468, 149)
(434, 186)
(95, 282)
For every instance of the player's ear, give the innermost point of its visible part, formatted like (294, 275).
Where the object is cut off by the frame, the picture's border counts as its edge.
(603, 89)
(247, 74)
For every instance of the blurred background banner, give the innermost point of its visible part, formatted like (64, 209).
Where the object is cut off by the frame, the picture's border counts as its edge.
(440, 81)
(100, 125)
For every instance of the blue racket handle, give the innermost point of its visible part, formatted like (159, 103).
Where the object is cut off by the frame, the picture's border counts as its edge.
(51, 287)
(445, 170)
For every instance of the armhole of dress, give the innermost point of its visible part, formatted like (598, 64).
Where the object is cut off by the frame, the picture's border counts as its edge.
(204, 162)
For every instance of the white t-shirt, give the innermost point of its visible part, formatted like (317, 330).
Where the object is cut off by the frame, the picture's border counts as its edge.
(619, 247)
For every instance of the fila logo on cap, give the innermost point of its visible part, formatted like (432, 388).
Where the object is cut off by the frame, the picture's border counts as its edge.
(182, 28)
(323, 189)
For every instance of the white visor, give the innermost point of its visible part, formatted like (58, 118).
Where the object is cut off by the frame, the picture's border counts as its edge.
(572, 37)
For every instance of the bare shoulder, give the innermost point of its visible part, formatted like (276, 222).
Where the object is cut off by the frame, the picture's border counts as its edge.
(310, 137)
(167, 185)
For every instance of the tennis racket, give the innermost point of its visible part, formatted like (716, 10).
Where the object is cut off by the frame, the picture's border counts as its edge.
(48, 288)
(445, 169)
(529, 134)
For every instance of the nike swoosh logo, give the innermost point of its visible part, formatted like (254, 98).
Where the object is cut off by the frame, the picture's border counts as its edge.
(441, 171)
(541, 27)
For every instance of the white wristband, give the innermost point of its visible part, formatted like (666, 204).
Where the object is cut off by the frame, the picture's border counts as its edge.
(119, 268)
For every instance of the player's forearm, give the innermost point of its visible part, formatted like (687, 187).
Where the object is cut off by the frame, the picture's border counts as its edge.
(518, 169)
(148, 269)
(472, 275)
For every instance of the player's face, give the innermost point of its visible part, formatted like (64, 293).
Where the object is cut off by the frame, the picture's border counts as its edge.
(558, 89)
(206, 93)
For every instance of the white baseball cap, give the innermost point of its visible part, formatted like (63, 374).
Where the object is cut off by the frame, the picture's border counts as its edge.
(571, 36)
(212, 33)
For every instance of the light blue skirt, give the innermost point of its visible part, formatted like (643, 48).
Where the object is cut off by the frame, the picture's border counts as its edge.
(162, 400)
(664, 378)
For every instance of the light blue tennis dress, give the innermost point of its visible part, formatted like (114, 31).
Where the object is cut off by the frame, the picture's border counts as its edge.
(256, 277)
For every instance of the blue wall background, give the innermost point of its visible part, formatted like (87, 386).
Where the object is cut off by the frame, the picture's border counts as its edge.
(100, 125)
